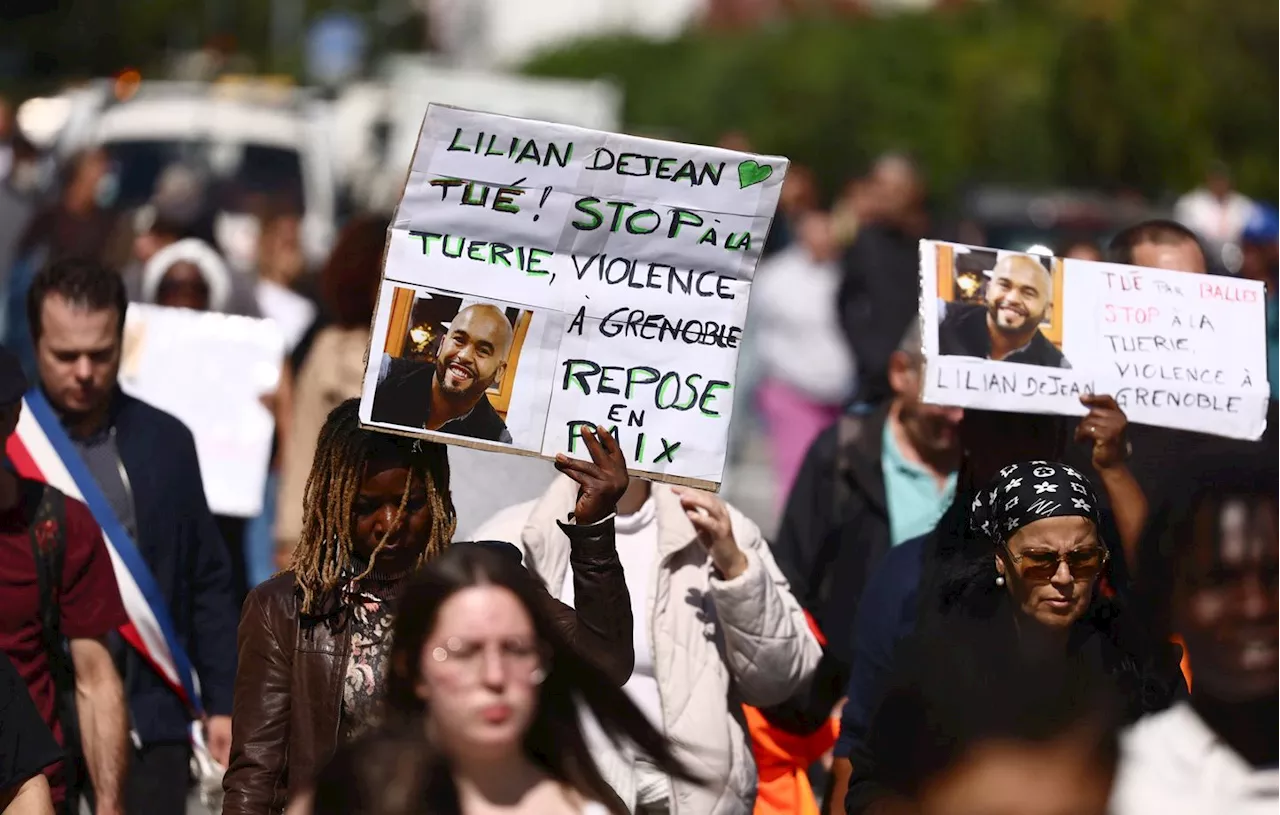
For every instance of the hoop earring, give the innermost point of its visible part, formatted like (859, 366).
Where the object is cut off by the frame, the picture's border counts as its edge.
(999, 580)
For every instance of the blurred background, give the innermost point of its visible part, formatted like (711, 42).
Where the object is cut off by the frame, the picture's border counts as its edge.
(263, 127)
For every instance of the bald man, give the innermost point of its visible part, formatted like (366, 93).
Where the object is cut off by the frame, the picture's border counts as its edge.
(1159, 244)
(449, 397)
(1007, 327)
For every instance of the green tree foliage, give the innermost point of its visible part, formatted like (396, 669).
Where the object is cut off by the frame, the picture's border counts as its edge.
(46, 43)
(1103, 93)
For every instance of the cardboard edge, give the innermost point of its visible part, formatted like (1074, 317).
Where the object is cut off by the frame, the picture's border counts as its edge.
(926, 358)
(494, 447)
(447, 438)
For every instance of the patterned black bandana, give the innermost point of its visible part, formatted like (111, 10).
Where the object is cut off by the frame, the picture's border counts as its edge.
(1027, 492)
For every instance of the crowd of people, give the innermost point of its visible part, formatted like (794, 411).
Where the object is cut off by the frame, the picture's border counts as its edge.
(961, 611)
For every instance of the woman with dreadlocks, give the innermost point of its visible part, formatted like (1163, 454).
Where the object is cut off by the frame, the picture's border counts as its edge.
(314, 639)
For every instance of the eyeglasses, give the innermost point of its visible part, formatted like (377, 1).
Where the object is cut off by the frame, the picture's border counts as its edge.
(1084, 563)
(467, 660)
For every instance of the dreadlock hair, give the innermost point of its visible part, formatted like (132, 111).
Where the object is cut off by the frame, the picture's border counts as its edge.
(322, 559)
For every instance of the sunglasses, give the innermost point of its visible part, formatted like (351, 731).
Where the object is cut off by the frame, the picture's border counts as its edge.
(1084, 563)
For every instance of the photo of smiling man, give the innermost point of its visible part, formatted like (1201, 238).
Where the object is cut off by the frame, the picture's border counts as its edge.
(445, 388)
(1006, 326)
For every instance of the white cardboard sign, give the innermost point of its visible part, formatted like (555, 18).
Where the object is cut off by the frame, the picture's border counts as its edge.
(539, 277)
(1030, 334)
(212, 372)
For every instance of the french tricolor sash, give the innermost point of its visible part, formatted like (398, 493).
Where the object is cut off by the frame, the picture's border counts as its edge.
(41, 450)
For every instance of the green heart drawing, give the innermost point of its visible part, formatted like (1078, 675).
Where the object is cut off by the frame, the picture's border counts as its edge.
(750, 172)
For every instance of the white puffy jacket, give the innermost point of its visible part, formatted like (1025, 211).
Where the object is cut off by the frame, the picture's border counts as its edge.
(717, 644)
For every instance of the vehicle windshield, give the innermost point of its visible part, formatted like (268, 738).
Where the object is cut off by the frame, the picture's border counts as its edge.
(239, 172)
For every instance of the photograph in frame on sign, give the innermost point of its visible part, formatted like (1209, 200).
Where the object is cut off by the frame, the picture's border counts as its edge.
(453, 364)
(1001, 306)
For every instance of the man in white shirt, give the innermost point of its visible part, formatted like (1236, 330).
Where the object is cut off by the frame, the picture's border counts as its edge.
(1218, 752)
(1216, 211)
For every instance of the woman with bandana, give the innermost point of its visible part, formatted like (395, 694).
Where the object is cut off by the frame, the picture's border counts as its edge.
(906, 586)
(1029, 583)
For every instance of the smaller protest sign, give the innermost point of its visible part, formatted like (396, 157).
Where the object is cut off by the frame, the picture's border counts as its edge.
(212, 372)
(540, 279)
(1031, 334)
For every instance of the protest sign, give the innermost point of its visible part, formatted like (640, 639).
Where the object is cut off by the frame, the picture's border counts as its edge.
(1031, 334)
(540, 278)
(211, 371)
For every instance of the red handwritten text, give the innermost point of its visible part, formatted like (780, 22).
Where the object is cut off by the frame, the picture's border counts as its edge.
(1216, 290)
(1140, 315)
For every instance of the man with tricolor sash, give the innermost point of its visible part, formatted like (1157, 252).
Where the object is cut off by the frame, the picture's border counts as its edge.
(136, 468)
(57, 581)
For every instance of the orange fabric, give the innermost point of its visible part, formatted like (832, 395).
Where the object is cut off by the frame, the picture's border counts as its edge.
(1186, 660)
(783, 760)
(1105, 588)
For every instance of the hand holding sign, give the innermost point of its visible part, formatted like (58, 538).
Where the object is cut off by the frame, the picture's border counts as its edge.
(710, 517)
(601, 481)
(1105, 425)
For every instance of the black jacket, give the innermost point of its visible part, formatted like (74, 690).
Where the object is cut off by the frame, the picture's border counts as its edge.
(26, 745)
(836, 525)
(1162, 456)
(878, 299)
(404, 398)
(963, 333)
(180, 543)
(956, 665)
(964, 619)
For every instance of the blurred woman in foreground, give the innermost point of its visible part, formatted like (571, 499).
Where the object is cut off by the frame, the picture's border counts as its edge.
(487, 690)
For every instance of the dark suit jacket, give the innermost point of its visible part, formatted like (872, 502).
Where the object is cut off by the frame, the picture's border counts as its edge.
(835, 527)
(180, 542)
(878, 299)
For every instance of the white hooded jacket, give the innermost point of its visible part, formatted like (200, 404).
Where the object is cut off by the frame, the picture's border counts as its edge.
(716, 644)
(198, 253)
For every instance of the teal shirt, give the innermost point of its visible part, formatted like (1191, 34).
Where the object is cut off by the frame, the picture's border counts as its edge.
(914, 499)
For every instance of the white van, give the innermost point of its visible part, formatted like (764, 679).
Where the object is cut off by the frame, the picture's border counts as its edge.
(412, 82)
(249, 140)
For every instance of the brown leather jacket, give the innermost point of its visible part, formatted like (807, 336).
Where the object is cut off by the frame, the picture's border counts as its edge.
(288, 691)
